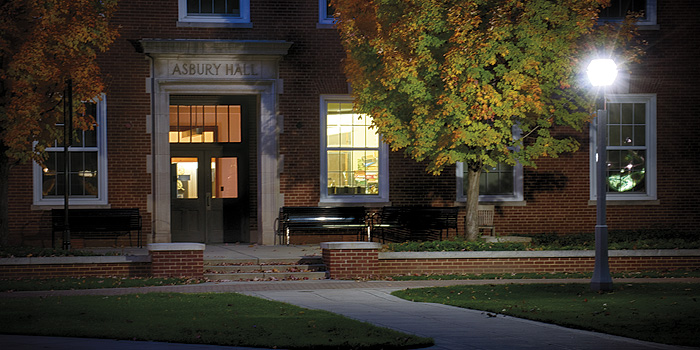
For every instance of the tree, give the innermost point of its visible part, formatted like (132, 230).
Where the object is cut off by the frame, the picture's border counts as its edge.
(43, 43)
(480, 82)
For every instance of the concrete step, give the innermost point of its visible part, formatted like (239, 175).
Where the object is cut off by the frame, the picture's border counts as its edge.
(264, 269)
(264, 261)
(266, 276)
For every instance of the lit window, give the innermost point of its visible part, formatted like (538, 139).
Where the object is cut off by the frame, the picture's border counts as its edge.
(205, 123)
(619, 9)
(87, 161)
(354, 160)
(204, 13)
(631, 148)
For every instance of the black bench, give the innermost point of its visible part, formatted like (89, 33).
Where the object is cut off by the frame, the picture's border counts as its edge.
(414, 223)
(97, 223)
(321, 220)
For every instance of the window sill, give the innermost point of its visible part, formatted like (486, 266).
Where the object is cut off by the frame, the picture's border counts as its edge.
(648, 27)
(377, 204)
(40, 207)
(325, 26)
(188, 24)
(614, 202)
(495, 203)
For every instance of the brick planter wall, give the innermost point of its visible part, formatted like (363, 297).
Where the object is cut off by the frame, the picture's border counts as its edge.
(164, 260)
(177, 260)
(349, 260)
(87, 266)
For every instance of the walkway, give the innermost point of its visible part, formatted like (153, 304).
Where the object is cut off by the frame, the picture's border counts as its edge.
(368, 301)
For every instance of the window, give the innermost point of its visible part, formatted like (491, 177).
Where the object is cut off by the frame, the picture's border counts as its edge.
(631, 148)
(325, 13)
(502, 183)
(214, 13)
(354, 161)
(618, 9)
(204, 123)
(87, 164)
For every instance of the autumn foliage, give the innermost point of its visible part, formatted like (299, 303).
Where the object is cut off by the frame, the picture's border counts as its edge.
(43, 43)
(477, 81)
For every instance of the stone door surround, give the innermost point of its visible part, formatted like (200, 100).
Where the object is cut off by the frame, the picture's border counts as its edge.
(214, 67)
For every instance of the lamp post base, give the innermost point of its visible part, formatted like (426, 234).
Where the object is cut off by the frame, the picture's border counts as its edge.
(602, 286)
(601, 281)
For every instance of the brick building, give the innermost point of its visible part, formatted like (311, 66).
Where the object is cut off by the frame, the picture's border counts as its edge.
(215, 117)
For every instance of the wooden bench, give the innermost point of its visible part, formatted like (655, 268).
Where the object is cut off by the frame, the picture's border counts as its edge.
(98, 223)
(485, 218)
(321, 220)
(411, 223)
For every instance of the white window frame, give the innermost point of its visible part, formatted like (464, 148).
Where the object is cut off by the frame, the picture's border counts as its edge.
(516, 196)
(102, 181)
(651, 186)
(325, 198)
(242, 21)
(648, 23)
(323, 20)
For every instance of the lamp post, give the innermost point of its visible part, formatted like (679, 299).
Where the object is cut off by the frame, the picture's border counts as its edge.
(601, 73)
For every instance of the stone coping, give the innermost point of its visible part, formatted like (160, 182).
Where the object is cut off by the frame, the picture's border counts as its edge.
(159, 247)
(60, 260)
(351, 245)
(537, 254)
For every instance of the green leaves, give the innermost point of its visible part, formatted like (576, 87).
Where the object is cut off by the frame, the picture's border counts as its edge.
(446, 80)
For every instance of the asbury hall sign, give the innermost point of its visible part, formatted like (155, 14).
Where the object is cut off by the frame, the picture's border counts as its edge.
(215, 69)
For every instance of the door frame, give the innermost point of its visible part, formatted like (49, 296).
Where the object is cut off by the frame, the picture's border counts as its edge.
(164, 54)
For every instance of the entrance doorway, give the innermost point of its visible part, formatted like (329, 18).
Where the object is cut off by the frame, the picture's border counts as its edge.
(209, 168)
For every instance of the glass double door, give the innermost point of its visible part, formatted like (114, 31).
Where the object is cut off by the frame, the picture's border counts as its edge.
(209, 195)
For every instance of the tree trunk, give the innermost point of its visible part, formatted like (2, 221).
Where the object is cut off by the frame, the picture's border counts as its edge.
(4, 197)
(472, 228)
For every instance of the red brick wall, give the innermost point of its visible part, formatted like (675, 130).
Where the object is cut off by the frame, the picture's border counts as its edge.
(163, 263)
(182, 263)
(556, 192)
(350, 263)
(394, 267)
(76, 270)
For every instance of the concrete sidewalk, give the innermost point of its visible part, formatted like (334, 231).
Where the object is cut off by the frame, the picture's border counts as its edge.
(451, 327)
(370, 301)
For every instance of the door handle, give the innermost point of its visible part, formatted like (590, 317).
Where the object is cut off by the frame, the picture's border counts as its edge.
(208, 201)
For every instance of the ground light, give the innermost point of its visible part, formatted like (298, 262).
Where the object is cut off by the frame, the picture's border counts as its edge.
(601, 73)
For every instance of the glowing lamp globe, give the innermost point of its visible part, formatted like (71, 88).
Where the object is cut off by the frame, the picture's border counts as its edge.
(602, 72)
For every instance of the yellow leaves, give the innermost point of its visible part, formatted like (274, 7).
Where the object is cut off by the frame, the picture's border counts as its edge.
(43, 43)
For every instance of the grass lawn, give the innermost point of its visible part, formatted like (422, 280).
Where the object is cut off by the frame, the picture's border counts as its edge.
(544, 275)
(664, 312)
(223, 318)
(67, 283)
